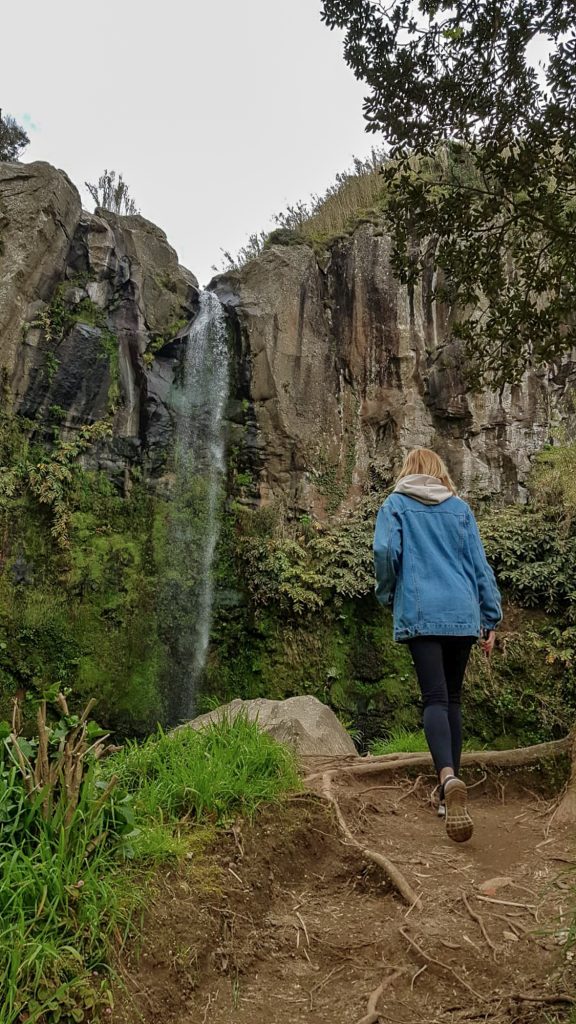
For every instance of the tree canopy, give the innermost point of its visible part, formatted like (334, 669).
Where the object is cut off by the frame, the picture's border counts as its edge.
(481, 175)
(13, 138)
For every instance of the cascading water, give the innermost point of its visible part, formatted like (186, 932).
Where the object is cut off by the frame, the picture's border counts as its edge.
(199, 403)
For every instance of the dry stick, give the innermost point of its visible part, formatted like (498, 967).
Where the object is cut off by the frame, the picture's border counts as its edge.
(372, 1017)
(517, 758)
(301, 919)
(505, 903)
(444, 966)
(392, 873)
(562, 997)
(411, 790)
(477, 917)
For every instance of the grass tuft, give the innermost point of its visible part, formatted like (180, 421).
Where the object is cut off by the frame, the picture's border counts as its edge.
(69, 892)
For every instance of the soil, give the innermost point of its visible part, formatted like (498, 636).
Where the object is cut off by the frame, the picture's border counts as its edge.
(290, 925)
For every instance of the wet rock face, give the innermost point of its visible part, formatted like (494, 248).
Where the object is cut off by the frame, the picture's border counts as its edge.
(348, 371)
(89, 309)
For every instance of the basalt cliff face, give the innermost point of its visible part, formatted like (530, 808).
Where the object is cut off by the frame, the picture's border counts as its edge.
(338, 369)
(90, 308)
(348, 370)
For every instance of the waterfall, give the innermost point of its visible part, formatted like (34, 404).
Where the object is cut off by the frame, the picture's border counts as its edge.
(199, 404)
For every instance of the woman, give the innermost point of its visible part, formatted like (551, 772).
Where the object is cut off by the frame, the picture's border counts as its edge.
(431, 565)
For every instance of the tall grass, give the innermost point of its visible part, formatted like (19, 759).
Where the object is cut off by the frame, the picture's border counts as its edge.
(226, 768)
(403, 741)
(68, 893)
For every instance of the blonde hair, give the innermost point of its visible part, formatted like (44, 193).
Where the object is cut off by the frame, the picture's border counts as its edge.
(427, 462)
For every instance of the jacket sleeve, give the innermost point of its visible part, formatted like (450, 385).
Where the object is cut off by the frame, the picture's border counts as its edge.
(489, 595)
(387, 552)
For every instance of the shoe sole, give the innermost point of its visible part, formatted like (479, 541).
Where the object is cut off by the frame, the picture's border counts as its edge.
(459, 825)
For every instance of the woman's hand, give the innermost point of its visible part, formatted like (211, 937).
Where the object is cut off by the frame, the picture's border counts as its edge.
(487, 642)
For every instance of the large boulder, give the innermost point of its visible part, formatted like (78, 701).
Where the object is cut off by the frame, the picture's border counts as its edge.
(303, 723)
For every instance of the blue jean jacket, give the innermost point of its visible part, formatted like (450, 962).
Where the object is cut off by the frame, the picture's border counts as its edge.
(430, 564)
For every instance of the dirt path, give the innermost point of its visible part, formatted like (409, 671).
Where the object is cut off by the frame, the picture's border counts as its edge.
(302, 931)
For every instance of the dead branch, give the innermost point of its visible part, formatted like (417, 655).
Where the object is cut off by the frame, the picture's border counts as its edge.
(445, 967)
(372, 1016)
(393, 874)
(518, 758)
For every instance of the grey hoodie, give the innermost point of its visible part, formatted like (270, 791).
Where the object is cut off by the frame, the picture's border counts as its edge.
(427, 489)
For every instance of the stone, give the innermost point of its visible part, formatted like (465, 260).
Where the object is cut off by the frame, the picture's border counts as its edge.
(39, 213)
(121, 274)
(306, 725)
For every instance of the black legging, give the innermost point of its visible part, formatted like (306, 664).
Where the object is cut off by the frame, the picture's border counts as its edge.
(440, 663)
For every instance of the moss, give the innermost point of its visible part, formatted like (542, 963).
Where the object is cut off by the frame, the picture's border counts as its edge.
(84, 617)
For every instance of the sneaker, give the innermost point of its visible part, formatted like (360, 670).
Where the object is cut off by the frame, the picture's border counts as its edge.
(459, 825)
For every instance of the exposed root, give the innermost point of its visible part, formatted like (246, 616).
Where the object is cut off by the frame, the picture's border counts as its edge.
(393, 874)
(477, 917)
(372, 1016)
(561, 997)
(518, 758)
(440, 963)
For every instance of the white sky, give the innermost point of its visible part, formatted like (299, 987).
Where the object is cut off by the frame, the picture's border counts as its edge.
(218, 114)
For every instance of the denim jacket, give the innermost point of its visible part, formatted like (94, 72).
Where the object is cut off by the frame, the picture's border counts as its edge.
(430, 564)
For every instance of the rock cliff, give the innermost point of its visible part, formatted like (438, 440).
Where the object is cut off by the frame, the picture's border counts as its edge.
(89, 304)
(348, 370)
(339, 369)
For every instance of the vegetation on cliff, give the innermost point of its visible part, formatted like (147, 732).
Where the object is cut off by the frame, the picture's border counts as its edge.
(85, 602)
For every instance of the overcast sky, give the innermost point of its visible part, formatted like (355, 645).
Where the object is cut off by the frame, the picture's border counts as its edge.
(218, 114)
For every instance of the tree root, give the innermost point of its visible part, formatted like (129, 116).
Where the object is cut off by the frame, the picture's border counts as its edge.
(372, 1016)
(392, 873)
(517, 758)
(445, 967)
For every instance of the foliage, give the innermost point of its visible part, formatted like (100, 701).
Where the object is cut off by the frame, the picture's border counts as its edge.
(300, 568)
(113, 195)
(13, 138)
(51, 480)
(482, 181)
(533, 547)
(73, 879)
(59, 902)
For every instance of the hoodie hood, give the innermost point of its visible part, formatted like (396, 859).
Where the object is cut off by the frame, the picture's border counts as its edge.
(427, 489)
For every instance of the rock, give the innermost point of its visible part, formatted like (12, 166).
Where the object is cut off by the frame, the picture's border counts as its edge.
(72, 286)
(303, 723)
(39, 213)
(348, 369)
(491, 885)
